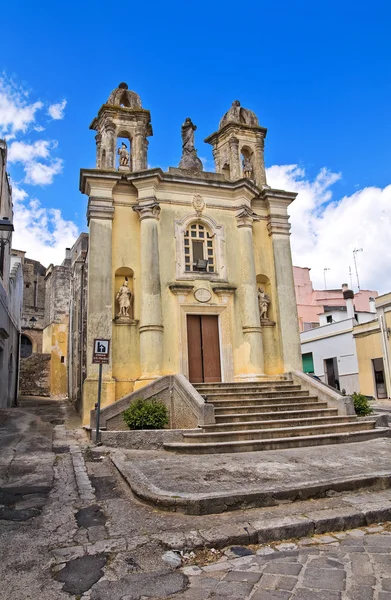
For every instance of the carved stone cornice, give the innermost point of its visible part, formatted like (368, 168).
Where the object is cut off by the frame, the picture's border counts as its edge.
(100, 208)
(180, 288)
(278, 224)
(246, 217)
(148, 209)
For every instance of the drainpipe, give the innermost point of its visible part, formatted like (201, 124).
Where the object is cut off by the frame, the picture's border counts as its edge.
(385, 336)
(348, 297)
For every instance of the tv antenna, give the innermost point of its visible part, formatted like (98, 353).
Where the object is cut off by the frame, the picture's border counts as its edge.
(355, 264)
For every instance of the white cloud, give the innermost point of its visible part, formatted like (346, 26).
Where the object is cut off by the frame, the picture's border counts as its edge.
(325, 231)
(16, 112)
(38, 173)
(56, 111)
(22, 152)
(42, 232)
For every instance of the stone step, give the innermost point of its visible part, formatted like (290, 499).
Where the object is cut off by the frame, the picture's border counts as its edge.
(226, 387)
(276, 406)
(266, 381)
(257, 394)
(278, 432)
(269, 423)
(278, 443)
(282, 414)
(238, 403)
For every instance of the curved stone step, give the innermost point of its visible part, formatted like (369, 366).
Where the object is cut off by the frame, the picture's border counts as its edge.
(270, 407)
(278, 443)
(227, 387)
(278, 432)
(266, 424)
(283, 414)
(264, 394)
(260, 401)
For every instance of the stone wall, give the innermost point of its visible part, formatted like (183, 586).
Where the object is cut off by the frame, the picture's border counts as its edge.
(77, 339)
(35, 375)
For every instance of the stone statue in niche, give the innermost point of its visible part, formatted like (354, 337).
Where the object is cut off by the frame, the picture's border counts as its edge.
(263, 302)
(123, 155)
(124, 298)
(189, 160)
(247, 168)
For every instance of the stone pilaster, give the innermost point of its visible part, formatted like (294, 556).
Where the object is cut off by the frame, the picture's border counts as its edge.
(279, 231)
(151, 316)
(98, 139)
(139, 151)
(252, 363)
(110, 145)
(260, 174)
(234, 158)
(100, 215)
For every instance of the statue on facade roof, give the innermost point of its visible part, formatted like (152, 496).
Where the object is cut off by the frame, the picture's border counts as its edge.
(247, 167)
(123, 155)
(189, 160)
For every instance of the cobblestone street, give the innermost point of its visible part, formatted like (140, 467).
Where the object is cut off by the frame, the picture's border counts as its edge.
(355, 565)
(70, 528)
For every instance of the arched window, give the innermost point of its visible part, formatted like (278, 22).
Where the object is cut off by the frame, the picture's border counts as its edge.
(26, 347)
(198, 248)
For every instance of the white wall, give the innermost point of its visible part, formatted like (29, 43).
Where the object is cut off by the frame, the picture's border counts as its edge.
(334, 340)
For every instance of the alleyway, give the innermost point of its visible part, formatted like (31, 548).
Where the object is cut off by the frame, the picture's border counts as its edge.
(70, 528)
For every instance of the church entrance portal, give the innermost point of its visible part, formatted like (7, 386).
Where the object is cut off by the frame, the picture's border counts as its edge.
(203, 348)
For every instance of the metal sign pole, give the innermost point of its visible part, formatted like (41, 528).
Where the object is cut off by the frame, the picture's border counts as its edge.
(97, 438)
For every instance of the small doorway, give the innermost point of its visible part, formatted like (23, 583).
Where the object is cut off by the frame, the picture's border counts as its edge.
(331, 370)
(203, 348)
(380, 383)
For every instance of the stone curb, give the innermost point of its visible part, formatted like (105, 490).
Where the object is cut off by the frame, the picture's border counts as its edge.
(197, 504)
(274, 530)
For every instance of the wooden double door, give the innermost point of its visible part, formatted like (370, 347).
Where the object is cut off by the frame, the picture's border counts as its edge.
(203, 348)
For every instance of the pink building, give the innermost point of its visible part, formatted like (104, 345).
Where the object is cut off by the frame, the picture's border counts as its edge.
(311, 303)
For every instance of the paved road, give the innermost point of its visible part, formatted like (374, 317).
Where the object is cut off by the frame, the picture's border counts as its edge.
(69, 528)
(357, 567)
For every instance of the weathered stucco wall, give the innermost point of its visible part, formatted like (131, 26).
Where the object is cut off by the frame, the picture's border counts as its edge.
(35, 375)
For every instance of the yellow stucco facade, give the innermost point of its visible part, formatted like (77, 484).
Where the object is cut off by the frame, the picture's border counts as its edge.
(185, 243)
(55, 343)
(373, 343)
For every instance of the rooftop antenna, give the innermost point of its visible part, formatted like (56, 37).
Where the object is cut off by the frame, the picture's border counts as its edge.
(324, 276)
(350, 277)
(355, 264)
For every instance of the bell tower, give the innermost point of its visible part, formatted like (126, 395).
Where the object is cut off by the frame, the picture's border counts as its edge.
(122, 117)
(238, 146)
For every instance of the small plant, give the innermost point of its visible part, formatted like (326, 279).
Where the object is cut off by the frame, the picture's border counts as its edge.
(361, 404)
(146, 414)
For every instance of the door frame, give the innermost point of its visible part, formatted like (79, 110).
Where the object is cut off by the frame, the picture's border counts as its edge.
(226, 355)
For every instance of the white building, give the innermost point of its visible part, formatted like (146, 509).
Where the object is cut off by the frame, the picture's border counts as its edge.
(11, 293)
(329, 351)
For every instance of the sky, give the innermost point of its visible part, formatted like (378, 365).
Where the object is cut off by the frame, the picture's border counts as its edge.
(317, 74)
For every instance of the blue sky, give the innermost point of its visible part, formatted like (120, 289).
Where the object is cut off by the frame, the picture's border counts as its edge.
(316, 73)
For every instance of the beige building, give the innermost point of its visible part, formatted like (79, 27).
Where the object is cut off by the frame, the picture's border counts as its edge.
(374, 351)
(188, 271)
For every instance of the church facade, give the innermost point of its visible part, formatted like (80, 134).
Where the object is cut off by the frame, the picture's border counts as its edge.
(188, 271)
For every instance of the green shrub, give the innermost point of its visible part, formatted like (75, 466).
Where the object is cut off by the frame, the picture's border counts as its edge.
(146, 414)
(361, 404)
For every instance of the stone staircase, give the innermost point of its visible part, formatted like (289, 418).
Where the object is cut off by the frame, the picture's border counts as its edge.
(270, 415)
